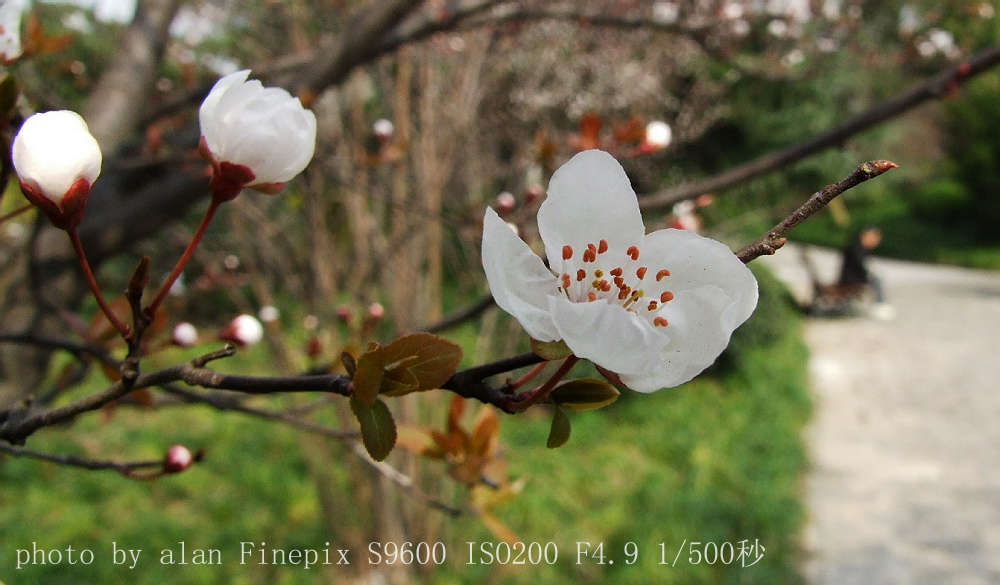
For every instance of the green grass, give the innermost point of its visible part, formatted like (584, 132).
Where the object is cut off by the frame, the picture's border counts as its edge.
(720, 459)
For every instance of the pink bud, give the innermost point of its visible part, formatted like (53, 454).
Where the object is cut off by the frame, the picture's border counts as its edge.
(376, 310)
(177, 459)
(244, 330)
(506, 202)
(344, 313)
(533, 193)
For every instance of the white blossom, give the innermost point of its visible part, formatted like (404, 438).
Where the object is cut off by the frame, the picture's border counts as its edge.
(262, 129)
(656, 308)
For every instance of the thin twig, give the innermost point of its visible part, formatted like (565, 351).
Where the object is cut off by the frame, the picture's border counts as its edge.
(938, 86)
(775, 238)
(125, 468)
(461, 316)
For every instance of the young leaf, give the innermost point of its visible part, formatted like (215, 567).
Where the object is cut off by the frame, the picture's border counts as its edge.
(559, 433)
(551, 350)
(367, 380)
(420, 361)
(378, 431)
(584, 394)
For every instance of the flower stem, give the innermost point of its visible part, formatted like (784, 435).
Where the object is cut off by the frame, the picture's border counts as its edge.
(16, 212)
(185, 257)
(527, 399)
(74, 238)
(528, 376)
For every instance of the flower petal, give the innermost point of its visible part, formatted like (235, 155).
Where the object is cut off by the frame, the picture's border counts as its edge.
(714, 292)
(608, 335)
(590, 198)
(695, 261)
(519, 281)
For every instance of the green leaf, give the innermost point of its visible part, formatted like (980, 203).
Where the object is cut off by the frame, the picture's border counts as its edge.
(551, 350)
(584, 394)
(378, 431)
(559, 433)
(368, 375)
(420, 361)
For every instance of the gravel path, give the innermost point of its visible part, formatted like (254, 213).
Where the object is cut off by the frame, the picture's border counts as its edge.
(904, 486)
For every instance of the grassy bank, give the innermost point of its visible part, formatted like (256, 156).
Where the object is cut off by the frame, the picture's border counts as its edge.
(718, 460)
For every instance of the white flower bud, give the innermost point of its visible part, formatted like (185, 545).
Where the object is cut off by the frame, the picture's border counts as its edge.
(268, 313)
(383, 128)
(256, 136)
(658, 134)
(185, 334)
(243, 330)
(57, 160)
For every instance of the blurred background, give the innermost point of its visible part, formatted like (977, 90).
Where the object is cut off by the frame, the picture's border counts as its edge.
(427, 113)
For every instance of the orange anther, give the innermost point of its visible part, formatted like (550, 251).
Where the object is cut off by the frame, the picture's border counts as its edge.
(666, 296)
(602, 247)
(605, 286)
(591, 296)
(641, 272)
(623, 294)
(660, 322)
(652, 306)
(567, 252)
(633, 252)
(617, 271)
(581, 274)
(566, 281)
(598, 273)
(663, 273)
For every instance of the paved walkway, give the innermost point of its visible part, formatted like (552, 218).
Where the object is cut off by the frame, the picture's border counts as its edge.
(904, 486)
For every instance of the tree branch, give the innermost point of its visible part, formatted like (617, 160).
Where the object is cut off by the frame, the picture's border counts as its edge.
(126, 468)
(774, 239)
(937, 87)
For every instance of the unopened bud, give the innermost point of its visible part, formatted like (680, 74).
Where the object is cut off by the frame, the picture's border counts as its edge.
(268, 313)
(244, 330)
(506, 202)
(344, 313)
(314, 347)
(658, 135)
(383, 129)
(57, 161)
(533, 193)
(376, 310)
(185, 334)
(177, 459)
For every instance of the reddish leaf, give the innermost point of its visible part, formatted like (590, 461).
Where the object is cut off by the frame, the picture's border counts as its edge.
(420, 361)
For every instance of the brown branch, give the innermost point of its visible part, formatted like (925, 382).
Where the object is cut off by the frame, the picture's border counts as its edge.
(125, 468)
(461, 316)
(775, 238)
(939, 86)
(356, 44)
